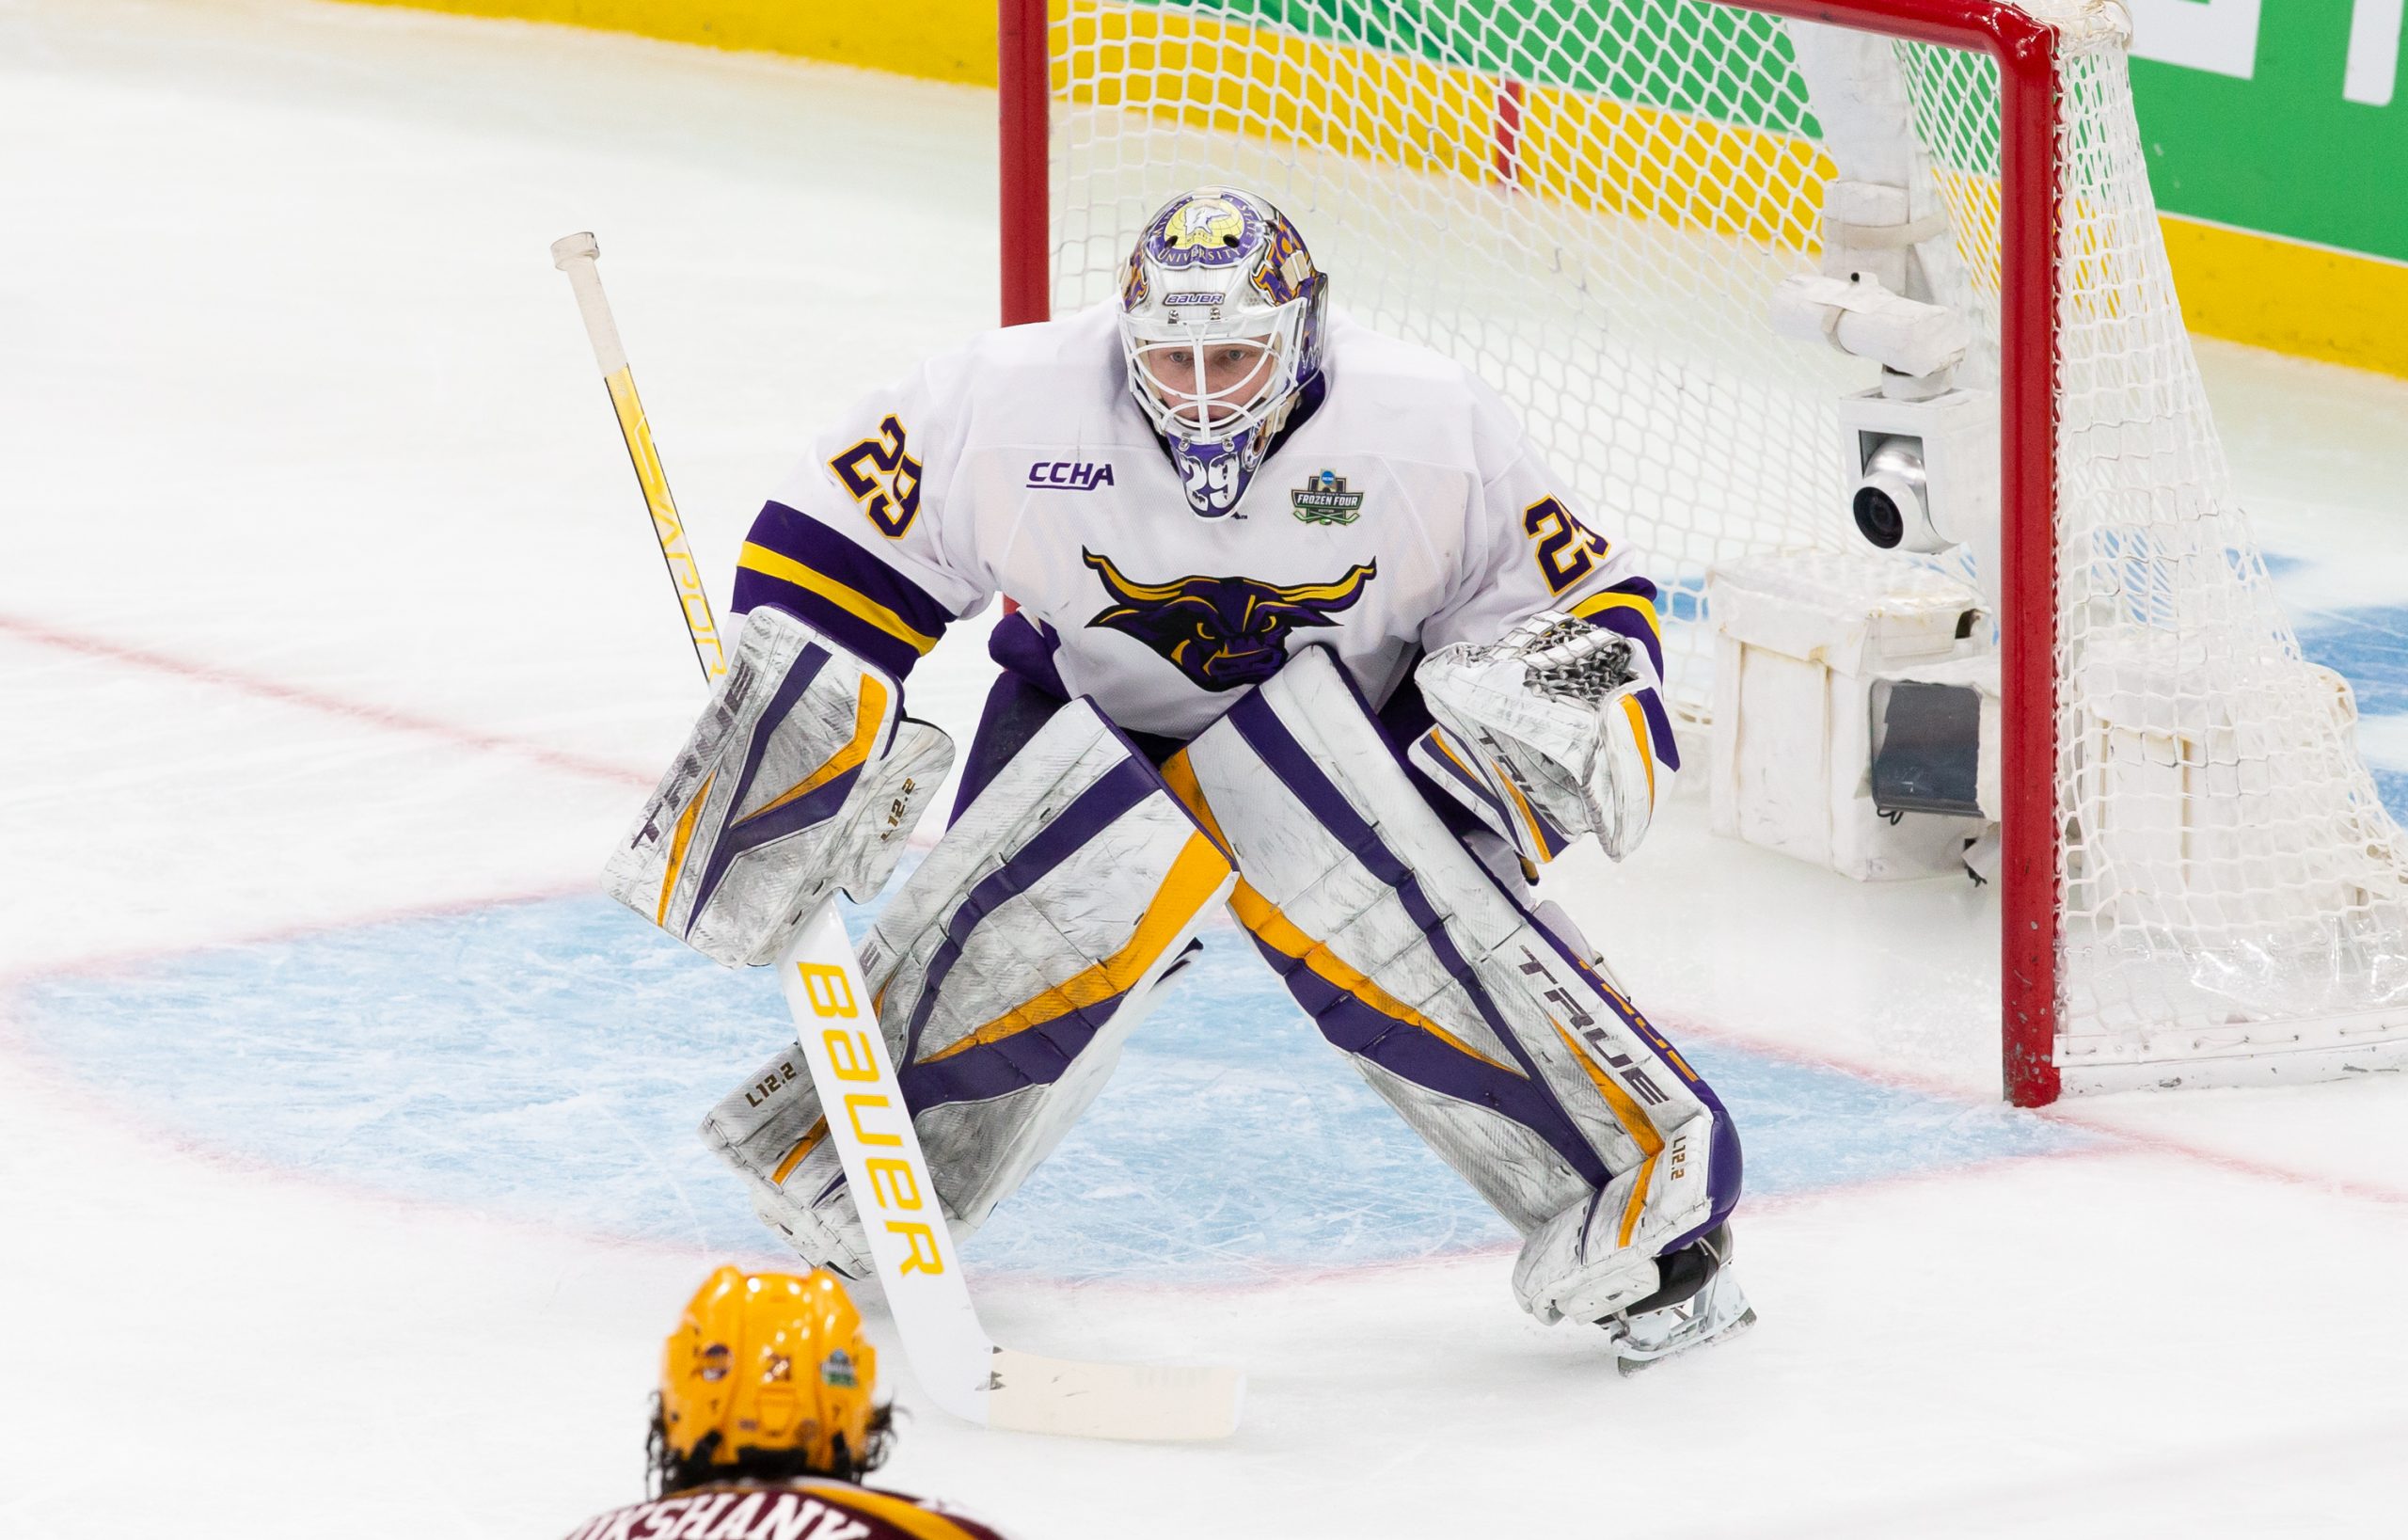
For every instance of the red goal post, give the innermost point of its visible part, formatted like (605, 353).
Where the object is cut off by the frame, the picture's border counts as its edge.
(2049, 806)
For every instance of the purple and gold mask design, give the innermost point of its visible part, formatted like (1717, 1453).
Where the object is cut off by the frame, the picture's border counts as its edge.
(1223, 633)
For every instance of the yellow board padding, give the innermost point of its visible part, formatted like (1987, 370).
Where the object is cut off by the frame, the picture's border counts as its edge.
(931, 40)
(2291, 297)
(2310, 301)
(1196, 874)
(1585, 150)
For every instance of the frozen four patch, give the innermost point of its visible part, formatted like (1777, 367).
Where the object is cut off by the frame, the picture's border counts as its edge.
(1324, 500)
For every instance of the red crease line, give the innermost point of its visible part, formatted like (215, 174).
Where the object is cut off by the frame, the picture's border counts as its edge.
(311, 699)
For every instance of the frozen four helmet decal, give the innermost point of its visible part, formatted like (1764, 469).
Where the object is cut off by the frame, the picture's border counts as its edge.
(1221, 321)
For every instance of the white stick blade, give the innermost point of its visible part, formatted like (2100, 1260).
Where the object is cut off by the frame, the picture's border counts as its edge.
(1151, 1403)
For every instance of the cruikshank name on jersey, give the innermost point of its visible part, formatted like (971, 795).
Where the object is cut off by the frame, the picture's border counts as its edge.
(1223, 633)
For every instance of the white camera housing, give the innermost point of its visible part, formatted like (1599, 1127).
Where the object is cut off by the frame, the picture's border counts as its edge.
(1922, 475)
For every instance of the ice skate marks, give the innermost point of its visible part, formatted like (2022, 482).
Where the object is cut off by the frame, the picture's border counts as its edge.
(549, 1060)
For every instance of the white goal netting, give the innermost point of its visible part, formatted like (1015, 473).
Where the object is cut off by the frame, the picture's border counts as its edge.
(1590, 201)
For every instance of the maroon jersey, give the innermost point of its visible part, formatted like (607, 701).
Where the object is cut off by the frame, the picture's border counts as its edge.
(810, 1509)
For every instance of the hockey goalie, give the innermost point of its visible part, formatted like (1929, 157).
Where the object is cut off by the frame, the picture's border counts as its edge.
(1306, 627)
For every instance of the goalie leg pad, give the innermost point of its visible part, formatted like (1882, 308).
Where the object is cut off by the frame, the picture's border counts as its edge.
(1007, 970)
(1500, 1045)
(802, 777)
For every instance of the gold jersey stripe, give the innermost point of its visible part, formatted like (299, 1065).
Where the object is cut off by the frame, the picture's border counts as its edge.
(770, 564)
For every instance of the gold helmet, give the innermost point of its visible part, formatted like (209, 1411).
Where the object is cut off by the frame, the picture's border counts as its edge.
(768, 1376)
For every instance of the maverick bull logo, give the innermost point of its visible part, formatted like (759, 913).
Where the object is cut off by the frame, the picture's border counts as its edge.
(1224, 633)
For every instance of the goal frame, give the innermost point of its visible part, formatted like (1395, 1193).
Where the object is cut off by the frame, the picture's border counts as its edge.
(2026, 48)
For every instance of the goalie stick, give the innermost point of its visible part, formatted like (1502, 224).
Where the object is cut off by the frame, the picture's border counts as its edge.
(960, 1366)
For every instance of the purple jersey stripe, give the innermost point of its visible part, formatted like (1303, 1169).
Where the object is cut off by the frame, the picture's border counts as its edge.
(804, 539)
(887, 654)
(1268, 737)
(1114, 793)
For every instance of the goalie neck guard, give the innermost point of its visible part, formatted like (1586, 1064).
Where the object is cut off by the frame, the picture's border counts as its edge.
(1221, 322)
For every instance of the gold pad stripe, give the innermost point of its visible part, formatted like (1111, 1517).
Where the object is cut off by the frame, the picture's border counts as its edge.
(803, 1145)
(677, 843)
(1179, 776)
(1538, 835)
(1634, 1122)
(1259, 916)
(1195, 876)
(770, 564)
(869, 714)
(1630, 708)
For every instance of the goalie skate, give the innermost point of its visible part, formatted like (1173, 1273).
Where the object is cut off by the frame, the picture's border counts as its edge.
(1699, 1303)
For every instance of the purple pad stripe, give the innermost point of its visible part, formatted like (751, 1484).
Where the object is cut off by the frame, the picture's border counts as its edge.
(799, 674)
(802, 538)
(1624, 621)
(1038, 1055)
(1442, 764)
(1411, 1054)
(1659, 729)
(1728, 1165)
(1114, 793)
(1268, 737)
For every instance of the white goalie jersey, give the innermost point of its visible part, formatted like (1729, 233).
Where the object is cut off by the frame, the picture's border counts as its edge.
(1401, 513)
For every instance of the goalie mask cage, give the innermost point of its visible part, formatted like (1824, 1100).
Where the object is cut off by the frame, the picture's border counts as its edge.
(1590, 202)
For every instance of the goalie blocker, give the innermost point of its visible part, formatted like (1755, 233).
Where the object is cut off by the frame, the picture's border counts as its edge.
(802, 777)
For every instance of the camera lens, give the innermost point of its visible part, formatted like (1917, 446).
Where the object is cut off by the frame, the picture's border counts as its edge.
(1877, 517)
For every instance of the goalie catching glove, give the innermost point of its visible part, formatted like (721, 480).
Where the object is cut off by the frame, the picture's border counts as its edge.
(803, 776)
(1541, 735)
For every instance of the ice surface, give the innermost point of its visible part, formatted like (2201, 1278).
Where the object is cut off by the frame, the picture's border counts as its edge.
(345, 1177)
(549, 1061)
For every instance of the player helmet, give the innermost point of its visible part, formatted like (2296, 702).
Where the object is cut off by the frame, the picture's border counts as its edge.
(1221, 325)
(767, 1376)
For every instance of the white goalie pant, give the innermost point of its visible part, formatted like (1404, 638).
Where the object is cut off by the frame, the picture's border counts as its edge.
(1007, 972)
(1513, 1057)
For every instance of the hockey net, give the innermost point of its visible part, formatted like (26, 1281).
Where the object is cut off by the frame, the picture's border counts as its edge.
(1590, 202)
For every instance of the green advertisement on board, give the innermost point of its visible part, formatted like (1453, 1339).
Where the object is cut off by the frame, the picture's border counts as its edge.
(2284, 116)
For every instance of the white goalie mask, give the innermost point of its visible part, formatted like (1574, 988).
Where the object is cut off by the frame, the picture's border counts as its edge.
(1221, 327)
